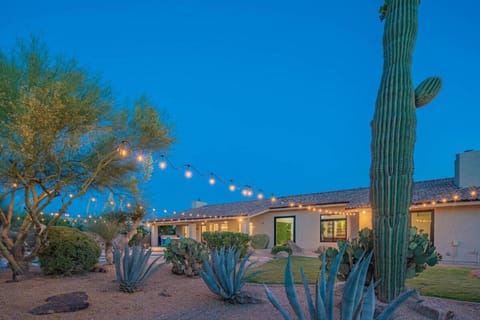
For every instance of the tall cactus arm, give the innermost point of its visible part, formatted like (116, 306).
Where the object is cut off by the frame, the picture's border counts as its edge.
(427, 90)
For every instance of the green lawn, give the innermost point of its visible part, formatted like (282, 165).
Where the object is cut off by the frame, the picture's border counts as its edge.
(439, 281)
(274, 270)
(447, 282)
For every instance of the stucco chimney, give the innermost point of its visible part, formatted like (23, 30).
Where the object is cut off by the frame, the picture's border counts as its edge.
(198, 203)
(467, 169)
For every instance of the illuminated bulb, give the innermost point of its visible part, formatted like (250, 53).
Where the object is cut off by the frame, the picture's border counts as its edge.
(112, 203)
(140, 158)
(123, 152)
(273, 199)
(434, 203)
(211, 180)
(231, 187)
(249, 193)
(93, 199)
(14, 185)
(162, 164)
(444, 200)
(244, 192)
(291, 204)
(455, 197)
(188, 172)
(128, 205)
(70, 195)
(260, 196)
(473, 193)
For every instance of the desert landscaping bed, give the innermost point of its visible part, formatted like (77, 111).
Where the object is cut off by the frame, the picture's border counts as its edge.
(166, 296)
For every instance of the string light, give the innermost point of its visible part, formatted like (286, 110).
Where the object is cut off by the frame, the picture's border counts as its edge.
(140, 157)
(162, 164)
(211, 180)
(231, 187)
(188, 172)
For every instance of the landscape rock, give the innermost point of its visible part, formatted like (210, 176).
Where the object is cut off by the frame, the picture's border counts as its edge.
(67, 302)
(282, 254)
(295, 248)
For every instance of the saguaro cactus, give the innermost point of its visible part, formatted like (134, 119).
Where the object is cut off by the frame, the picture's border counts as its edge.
(393, 139)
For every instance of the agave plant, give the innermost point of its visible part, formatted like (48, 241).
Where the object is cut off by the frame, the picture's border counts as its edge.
(133, 269)
(225, 274)
(357, 303)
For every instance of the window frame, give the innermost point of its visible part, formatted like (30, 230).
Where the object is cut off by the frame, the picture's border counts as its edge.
(275, 228)
(334, 221)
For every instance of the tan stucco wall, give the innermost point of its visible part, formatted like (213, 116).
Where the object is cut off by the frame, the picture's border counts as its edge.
(365, 218)
(307, 227)
(457, 234)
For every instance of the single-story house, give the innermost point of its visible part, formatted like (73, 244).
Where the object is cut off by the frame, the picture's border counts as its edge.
(448, 210)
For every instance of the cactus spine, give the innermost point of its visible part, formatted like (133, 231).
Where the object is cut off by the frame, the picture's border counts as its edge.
(393, 139)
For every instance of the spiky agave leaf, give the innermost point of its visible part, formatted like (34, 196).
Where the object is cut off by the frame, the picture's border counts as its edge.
(308, 295)
(330, 285)
(290, 291)
(133, 270)
(354, 286)
(271, 297)
(392, 306)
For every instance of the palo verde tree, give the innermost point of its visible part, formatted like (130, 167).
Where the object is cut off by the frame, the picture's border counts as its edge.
(393, 139)
(61, 135)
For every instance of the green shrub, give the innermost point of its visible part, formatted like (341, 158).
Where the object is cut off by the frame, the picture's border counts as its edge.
(217, 240)
(68, 251)
(421, 252)
(277, 249)
(185, 255)
(260, 241)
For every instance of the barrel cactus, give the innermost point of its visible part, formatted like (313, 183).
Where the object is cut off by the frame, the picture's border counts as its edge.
(393, 139)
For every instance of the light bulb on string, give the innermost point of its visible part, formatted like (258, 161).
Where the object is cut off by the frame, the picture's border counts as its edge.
(273, 199)
(260, 195)
(211, 180)
(163, 163)
(140, 157)
(188, 172)
(231, 187)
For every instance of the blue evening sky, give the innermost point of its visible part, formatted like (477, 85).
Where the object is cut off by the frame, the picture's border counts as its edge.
(274, 94)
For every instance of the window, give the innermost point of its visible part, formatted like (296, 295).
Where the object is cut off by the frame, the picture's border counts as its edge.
(215, 227)
(224, 226)
(333, 228)
(284, 230)
(422, 220)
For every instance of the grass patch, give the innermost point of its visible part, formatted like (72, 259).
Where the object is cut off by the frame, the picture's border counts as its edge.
(274, 270)
(447, 282)
(440, 281)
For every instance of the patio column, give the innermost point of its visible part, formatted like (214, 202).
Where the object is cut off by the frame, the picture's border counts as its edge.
(192, 231)
(154, 237)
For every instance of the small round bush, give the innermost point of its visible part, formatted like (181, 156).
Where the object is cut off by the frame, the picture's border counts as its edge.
(277, 249)
(67, 252)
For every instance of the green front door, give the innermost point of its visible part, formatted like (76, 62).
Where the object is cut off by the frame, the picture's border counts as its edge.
(284, 230)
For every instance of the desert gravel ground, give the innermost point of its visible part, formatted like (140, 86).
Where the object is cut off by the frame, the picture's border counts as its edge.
(165, 296)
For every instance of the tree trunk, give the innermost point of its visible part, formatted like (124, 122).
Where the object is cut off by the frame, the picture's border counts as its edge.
(109, 252)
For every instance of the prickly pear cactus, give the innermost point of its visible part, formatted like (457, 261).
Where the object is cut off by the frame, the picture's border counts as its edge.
(393, 139)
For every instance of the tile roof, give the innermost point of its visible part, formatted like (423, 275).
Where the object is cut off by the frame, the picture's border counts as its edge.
(439, 190)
